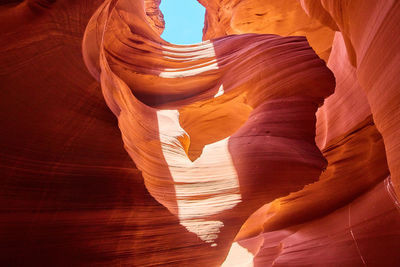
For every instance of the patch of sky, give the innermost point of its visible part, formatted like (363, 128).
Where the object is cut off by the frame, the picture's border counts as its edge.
(184, 21)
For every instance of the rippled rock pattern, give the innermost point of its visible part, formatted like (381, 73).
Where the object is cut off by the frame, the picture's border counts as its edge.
(243, 150)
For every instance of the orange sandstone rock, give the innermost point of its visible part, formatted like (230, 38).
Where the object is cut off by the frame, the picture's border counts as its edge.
(233, 152)
(369, 30)
(271, 154)
(285, 17)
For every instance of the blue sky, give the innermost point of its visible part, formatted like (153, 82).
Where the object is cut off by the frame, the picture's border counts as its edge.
(184, 21)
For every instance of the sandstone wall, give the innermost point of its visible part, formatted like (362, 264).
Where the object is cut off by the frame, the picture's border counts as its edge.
(118, 148)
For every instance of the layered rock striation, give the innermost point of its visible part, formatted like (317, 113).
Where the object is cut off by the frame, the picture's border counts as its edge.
(247, 149)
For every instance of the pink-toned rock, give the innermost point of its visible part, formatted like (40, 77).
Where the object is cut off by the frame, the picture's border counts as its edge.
(369, 29)
(284, 17)
(222, 166)
(280, 82)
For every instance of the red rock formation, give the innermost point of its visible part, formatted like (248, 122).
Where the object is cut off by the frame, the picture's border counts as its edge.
(345, 139)
(283, 83)
(284, 17)
(220, 136)
(367, 28)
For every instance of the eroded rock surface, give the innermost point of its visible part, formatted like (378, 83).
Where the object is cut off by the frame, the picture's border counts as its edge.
(244, 150)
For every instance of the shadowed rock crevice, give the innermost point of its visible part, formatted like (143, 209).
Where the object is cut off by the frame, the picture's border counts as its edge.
(118, 148)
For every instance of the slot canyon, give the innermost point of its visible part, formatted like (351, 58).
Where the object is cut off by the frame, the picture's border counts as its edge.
(274, 142)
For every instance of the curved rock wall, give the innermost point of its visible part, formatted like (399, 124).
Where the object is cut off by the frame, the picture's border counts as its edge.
(285, 17)
(243, 150)
(345, 127)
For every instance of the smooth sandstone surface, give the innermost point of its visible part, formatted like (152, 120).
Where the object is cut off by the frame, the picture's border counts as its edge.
(285, 17)
(118, 148)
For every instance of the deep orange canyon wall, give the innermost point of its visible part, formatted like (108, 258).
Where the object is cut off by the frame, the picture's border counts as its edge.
(346, 131)
(118, 148)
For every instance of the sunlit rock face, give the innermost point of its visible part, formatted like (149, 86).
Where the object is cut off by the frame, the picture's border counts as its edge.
(118, 148)
(285, 17)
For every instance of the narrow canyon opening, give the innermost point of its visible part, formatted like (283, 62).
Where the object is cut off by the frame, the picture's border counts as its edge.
(184, 20)
(273, 142)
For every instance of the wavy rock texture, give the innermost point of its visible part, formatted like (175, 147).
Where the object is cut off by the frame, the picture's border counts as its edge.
(355, 150)
(278, 81)
(234, 152)
(285, 17)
